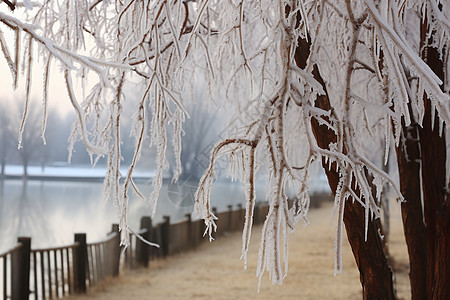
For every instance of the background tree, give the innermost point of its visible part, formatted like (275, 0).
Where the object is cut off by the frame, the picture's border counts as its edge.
(313, 78)
(7, 139)
(199, 131)
(32, 149)
(32, 144)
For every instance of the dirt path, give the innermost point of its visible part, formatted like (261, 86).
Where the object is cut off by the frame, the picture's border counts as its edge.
(215, 271)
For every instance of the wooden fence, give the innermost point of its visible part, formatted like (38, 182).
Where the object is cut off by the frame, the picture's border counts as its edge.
(57, 272)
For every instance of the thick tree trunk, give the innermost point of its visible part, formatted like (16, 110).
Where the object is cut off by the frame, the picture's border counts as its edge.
(436, 210)
(375, 274)
(408, 160)
(436, 204)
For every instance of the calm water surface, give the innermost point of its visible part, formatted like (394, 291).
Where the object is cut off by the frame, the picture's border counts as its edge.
(50, 212)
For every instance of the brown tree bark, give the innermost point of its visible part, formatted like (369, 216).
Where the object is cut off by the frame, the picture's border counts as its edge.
(375, 273)
(435, 191)
(408, 160)
(436, 208)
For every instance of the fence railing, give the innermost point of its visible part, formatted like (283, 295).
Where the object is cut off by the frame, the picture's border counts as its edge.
(183, 236)
(11, 258)
(51, 272)
(102, 259)
(56, 272)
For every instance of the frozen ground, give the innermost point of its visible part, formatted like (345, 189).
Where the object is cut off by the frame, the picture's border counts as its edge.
(215, 271)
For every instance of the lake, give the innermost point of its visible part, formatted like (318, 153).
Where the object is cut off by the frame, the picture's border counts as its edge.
(50, 211)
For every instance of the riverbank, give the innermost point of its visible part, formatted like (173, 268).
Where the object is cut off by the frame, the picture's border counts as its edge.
(215, 271)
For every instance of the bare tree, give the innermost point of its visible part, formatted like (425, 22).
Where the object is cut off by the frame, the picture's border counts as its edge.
(9, 152)
(7, 139)
(311, 75)
(32, 148)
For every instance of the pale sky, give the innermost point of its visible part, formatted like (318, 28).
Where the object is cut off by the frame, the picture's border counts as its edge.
(58, 98)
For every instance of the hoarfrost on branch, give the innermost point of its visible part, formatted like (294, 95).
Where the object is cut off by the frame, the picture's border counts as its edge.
(245, 53)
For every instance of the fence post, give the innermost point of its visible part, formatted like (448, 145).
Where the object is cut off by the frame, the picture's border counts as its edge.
(116, 251)
(142, 249)
(240, 223)
(165, 236)
(191, 237)
(79, 267)
(256, 219)
(156, 238)
(20, 270)
(230, 218)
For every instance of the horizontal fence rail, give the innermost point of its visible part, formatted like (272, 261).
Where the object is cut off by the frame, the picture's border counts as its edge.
(56, 272)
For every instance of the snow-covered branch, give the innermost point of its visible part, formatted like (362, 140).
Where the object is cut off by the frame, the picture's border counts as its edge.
(244, 54)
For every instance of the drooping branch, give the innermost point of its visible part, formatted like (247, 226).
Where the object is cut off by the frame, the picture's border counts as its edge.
(251, 54)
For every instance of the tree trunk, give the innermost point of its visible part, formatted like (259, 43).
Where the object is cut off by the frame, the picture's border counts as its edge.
(25, 168)
(3, 167)
(408, 160)
(375, 274)
(436, 206)
(386, 209)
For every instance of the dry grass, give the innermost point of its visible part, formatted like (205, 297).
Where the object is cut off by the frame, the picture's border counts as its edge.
(215, 271)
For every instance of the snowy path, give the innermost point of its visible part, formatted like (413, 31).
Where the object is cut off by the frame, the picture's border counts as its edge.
(215, 271)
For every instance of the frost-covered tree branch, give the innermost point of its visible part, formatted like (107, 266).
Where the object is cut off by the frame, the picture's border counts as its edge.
(246, 53)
